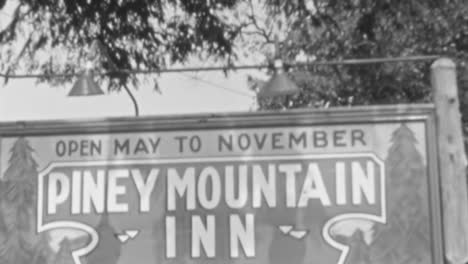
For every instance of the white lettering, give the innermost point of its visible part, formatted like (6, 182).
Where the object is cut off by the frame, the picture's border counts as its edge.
(340, 183)
(242, 234)
(145, 188)
(242, 193)
(203, 236)
(170, 237)
(94, 191)
(313, 187)
(290, 171)
(209, 174)
(363, 183)
(76, 194)
(263, 186)
(114, 190)
(184, 185)
(58, 191)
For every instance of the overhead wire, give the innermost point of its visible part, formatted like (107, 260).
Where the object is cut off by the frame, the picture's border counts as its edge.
(218, 86)
(233, 68)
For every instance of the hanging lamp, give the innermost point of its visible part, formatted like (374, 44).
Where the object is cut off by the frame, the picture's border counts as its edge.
(85, 85)
(279, 84)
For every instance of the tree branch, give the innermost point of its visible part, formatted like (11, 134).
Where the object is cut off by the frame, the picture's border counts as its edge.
(20, 54)
(261, 31)
(8, 33)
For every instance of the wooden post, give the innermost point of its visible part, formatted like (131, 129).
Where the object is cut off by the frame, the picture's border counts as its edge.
(452, 161)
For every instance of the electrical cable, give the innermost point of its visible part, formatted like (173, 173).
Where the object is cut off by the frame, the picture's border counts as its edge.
(240, 67)
(218, 86)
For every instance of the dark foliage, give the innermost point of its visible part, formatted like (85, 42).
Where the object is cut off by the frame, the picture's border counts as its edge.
(151, 33)
(137, 34)
(352, 29)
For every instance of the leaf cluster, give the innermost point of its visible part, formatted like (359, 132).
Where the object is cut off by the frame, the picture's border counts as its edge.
(58, 36)
(352, 29)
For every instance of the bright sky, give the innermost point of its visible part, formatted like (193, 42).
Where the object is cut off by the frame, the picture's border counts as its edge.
(209, 92)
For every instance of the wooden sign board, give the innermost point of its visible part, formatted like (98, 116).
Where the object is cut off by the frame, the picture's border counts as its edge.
(332, 187)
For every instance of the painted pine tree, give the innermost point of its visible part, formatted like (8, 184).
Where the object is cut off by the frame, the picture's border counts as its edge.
(17, 204)
(109, 247)
(3, 230)
(20, 179)
(405, 237)
(358, 249)
(64, 255)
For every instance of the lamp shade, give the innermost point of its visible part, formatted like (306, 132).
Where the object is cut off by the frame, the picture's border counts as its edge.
(278, 85)
(85, 86)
